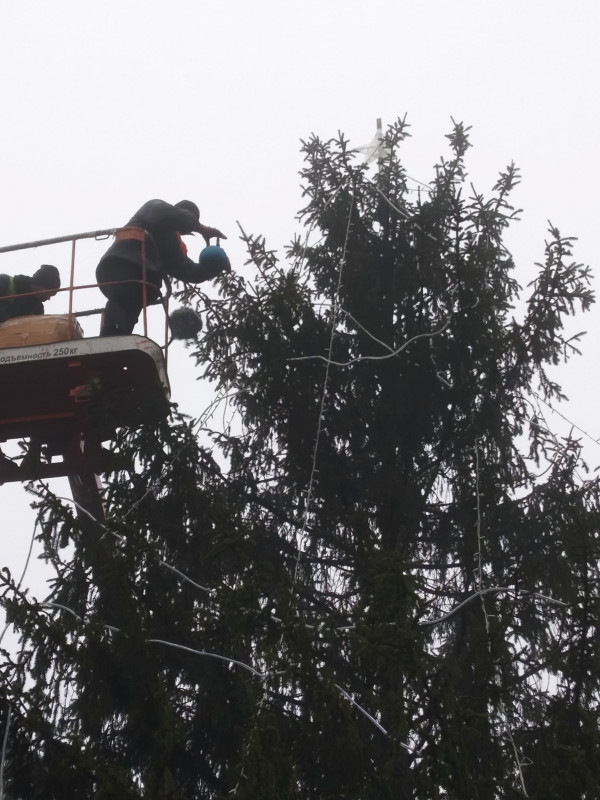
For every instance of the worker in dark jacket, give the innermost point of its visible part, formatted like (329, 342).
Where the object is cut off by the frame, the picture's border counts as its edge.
(16, 292)
(121, 269)
(24, 296)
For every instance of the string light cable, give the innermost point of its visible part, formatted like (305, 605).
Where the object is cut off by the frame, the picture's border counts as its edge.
(4, 748)
(23, 573)
(302, 535)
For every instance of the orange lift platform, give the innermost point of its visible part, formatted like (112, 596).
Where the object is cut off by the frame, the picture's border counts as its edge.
(67, 394)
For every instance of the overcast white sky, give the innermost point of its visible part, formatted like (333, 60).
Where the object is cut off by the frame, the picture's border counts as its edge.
(106, 105)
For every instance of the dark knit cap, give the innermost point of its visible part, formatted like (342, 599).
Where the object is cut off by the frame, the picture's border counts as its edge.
(192, 212)
(190, 207)
(47, 276)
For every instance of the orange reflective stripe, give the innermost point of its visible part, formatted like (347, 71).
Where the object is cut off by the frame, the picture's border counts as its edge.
(131, 233)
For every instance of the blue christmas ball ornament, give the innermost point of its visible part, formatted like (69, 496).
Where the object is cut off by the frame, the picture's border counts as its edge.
(214, 257)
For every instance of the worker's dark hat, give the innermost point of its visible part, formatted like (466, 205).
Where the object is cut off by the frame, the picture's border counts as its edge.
(47, 276)
(193, 211)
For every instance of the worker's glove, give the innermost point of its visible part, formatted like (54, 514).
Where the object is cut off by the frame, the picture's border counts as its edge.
(210, 233)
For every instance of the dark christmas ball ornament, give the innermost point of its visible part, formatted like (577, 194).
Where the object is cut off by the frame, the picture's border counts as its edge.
(185, 323)
(215, 258)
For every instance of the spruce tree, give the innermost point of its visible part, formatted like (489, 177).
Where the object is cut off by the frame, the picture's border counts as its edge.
(380, 581)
